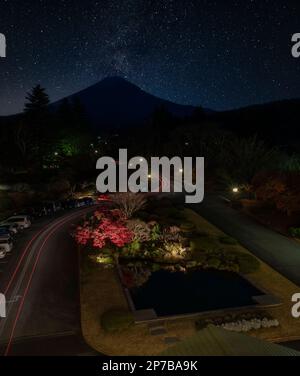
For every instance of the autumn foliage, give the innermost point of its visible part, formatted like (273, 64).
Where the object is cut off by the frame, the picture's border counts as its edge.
(279, 189)
(105, 227)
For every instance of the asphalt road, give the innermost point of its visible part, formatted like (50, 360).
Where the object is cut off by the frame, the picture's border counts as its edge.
(40, 282)
(280, 252)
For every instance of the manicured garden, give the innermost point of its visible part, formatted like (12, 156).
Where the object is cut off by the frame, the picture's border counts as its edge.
(160, 233)
(143, 237)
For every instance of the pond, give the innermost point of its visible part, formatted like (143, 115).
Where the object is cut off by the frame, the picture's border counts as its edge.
(175, 293)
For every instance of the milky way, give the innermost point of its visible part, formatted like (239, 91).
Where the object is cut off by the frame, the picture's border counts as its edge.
(218, 54)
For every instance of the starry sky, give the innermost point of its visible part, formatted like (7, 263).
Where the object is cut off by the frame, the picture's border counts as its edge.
(218, 54)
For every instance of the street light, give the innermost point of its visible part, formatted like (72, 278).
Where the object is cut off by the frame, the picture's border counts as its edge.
(235, 189)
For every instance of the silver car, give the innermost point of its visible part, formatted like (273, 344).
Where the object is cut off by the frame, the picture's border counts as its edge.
(22, 221)
(2, 253)
(6, 244)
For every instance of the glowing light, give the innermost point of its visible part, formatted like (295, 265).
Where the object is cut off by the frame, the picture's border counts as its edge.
(235, 189)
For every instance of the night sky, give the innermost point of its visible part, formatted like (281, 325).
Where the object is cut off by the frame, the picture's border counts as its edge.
(218, 54)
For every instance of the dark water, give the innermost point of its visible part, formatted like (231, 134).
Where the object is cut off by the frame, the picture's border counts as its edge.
(170, 293)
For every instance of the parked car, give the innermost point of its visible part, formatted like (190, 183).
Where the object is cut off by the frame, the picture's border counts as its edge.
(6, 244)
(9, 229)
(6, 237)
(2, 253)
(22, 221)
(29, 212)
(88, 200)
(70, 204)
(51, 207)
(40, 210)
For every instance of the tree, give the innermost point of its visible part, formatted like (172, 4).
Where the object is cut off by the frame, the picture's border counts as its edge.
(279, 189)
(39, 124)
(128, 202)
(38, 100)
(244, 157)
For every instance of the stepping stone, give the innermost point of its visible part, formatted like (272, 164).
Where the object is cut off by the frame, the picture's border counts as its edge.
(158, 324)
(157, 331)
(144, 315)
(171, 340)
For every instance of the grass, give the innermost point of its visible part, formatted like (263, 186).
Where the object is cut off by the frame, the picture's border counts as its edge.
(116, 320)
(101, 292)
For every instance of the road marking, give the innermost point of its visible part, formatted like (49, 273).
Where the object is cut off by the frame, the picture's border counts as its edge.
(15, 299)
(38, 237)
(49, 234)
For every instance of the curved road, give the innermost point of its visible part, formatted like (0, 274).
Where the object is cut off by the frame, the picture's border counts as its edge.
(40, 282)
(280, 252)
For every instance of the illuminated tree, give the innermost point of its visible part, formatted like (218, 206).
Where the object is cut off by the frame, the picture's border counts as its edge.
(128, 202)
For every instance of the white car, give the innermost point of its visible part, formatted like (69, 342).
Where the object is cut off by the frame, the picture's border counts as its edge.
(2, 253)
(6, 244)
(22, 221)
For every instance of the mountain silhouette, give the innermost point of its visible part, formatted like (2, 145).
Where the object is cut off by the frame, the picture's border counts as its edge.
(116, 102)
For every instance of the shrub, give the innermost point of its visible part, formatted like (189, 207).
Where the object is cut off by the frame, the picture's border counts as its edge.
(227, 240)
(200, 258)
(116, 320)
(294, 232)
(140, 229)
(191, 264)
(155, 232)
(134, 246)
(155, 267)
(213, 263)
